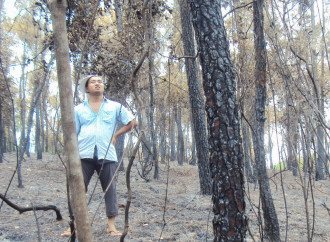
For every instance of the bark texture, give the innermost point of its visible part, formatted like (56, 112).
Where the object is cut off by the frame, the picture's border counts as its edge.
(226, 155)
(195, 97)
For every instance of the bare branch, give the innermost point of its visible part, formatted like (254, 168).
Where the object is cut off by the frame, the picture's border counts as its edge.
(23, 210)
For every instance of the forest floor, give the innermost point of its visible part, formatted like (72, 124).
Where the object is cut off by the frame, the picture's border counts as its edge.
(187, 217)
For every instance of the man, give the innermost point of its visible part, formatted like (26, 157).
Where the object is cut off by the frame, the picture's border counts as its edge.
(96, 120)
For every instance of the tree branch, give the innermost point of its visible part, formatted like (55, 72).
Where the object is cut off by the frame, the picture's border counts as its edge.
(234, 9)
(33, 208)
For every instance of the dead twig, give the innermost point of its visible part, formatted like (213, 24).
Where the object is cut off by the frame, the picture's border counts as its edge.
(326, 207)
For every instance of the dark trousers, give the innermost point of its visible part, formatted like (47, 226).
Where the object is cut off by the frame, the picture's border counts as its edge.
(105, 174)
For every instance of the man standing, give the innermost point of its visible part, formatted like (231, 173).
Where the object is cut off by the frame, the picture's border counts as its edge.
(96, 120)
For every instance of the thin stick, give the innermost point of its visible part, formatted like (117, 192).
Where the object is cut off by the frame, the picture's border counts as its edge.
(128, 184)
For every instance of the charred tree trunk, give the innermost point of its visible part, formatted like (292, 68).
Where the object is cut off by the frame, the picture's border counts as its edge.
(193, 155)
(272, 231)
(152, 125)
(195, 97)
(226, 156)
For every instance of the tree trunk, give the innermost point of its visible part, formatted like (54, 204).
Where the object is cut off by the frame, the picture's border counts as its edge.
(250, 177)
(272, 232)
(320, 161)
(226, 156)
(195, 97)
(25, 140)
(162, 145)
(180, 142)
(120, 146)
(43, 117)
(172, 136)
(146, 150)
(291, 134)
(193, 156)
(21, 148)
(270, 146)
(120, 143)
(306, 147)
(38, 132)
(152, 125)
(119, 15)
(243, 82)
(47, 125)
(77, 187)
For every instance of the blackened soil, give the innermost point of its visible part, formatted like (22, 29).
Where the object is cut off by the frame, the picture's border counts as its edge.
(169, 209)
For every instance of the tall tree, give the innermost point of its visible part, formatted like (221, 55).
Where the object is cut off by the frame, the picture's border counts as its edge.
(272, 232)
(38, 148)
(152, 114)
(226, 155)
(250, 177)
(172, 136)
(195, 97)
(163, 143)
(321, 160)
(180, 142)
(58, 9)
(291, 131)
(243, 59)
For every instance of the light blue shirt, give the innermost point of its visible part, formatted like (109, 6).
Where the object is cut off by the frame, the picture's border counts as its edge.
(98, 128)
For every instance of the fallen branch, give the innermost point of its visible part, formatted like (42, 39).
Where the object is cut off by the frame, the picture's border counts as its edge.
(33, 208)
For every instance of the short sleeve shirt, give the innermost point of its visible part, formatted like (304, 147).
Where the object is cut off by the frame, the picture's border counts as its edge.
(96, 129)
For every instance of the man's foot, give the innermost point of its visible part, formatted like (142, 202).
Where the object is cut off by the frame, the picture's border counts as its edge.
(114, 232)
(67, 233)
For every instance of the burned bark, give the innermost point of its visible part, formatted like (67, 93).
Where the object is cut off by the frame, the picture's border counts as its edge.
(226, 155)
(195, 97)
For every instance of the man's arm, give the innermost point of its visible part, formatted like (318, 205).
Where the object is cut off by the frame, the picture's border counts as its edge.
(131, 125)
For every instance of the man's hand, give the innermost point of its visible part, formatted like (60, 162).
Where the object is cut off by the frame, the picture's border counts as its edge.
(113, 141)
(124, 129)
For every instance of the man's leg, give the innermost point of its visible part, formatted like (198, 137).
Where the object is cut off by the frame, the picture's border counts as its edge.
(88, 167)
(111, 204)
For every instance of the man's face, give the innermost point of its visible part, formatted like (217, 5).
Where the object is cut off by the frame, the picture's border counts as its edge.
(95, 85)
